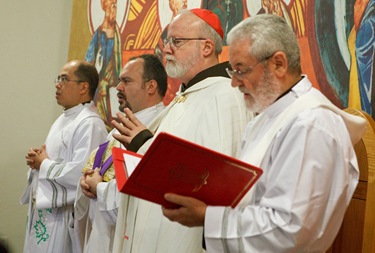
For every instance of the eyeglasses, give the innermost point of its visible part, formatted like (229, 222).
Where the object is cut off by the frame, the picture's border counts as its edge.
(240, 74)
(176, 42)
(64, 79)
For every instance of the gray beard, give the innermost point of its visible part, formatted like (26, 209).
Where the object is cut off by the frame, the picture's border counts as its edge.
(175, 70)
(267, 93)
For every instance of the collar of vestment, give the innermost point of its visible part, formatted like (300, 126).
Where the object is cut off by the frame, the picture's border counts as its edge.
(146, 115)
(299, 89)
(86, 102)
(76, 108)
(216, 70)
(288, 90)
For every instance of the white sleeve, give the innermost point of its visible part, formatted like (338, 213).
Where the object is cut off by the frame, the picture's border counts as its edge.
(25, 198)
(310, 173)
(58, 181)
(108, 200)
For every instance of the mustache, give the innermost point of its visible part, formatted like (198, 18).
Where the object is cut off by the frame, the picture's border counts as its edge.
(170, 58)
(243, 90)
(121, 95)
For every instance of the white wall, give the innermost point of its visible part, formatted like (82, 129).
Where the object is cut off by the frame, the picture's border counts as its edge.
(34, 40)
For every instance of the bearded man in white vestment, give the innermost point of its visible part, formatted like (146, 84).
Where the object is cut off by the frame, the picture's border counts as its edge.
(303, 143)
(142, 87)
(206, 111)
(55, 168)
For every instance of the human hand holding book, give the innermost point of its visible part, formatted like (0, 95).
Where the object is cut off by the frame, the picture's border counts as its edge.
(174, 165)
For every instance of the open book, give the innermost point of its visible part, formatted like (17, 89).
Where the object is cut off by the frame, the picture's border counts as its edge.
(175, 165)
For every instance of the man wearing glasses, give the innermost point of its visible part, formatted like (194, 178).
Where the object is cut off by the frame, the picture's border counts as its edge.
(55, 168)
(303, 143)
(206, 110)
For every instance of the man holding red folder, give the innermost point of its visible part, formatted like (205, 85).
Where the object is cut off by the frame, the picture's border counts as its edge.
(303, 143)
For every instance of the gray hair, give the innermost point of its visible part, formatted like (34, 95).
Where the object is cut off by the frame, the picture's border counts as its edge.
(268, 34)
(208, 32)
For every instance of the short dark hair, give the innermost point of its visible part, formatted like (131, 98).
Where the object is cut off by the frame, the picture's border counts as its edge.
(88, 73)
(153, 69)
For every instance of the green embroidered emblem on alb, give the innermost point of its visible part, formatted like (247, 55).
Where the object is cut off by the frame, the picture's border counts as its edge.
(40, 227)
(41, 231)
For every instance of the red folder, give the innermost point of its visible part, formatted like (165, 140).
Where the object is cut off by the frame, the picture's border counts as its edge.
(174, 165)
(121, 172)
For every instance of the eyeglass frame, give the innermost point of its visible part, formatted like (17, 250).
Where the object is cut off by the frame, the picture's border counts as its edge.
(240, 74)
(172, 41)
(63, 79)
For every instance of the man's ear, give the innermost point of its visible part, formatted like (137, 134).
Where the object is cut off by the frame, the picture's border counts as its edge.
(85, 88)
(151, 86)
(279, 63)
(208, 47)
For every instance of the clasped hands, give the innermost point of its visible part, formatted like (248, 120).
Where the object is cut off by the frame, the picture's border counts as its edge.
(35, 157)
(89, 182)
(128, 127)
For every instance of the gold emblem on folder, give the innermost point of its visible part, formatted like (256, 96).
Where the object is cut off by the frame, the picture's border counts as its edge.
(202, 181)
